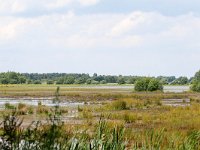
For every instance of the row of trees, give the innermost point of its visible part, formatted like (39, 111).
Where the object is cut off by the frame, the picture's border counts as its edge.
(63, 78)
(12, 78)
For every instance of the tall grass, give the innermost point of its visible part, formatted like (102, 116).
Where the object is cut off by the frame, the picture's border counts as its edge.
(53, 135)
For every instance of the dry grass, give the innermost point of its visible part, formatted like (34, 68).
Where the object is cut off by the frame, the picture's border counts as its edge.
(138, 112)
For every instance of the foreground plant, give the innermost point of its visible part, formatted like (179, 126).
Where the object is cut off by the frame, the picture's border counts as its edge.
(53, 135)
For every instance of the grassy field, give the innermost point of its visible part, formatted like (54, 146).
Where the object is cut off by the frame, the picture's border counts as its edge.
(65, 90)
(145, 122)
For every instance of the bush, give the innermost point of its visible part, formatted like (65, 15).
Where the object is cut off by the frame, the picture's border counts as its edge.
(103, 82)
(130, 118)
(37, 82)
(121, 80)
(154, 85)
(9, 106)
(196, 82)
(50, 82)
(22, 109)
(89, 81)
(195, 87)
(142, 84)
(94, 82)
(148, 84)
(69, 80)
(21, 106)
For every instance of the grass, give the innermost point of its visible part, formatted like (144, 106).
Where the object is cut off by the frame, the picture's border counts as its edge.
(54, 135)
(137, 120)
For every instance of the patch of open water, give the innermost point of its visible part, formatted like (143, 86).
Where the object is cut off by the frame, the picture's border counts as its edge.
(35, 102)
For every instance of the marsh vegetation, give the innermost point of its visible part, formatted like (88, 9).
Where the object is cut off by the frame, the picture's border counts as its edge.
(112, 117)
(109, 118)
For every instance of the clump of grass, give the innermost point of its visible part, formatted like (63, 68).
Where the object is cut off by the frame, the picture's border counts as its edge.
(22, 109)
(43, 110)
(63, 110)
(151, 140)
(80, 109)
(129, 117)
(86, 114)
(9, 106)
(21, 106)
(147, 103)
(119, 105)
(158, 102)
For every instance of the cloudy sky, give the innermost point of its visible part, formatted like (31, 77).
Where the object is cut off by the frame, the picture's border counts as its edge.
(129, 37)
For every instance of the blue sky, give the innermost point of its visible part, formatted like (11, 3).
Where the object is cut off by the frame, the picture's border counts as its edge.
(130, 37)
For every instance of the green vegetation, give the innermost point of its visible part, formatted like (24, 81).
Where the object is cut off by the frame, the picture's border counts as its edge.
(110, 119)
(119, 105)
(148, 84)
(196, 82)
(128, 120)
(180, 81)
(64, 78)
(161, 128)
(12, 78)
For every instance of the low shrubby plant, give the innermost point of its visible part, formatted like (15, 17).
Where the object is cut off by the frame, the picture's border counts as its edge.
(148, 84)
(119, 105)
(9, 106)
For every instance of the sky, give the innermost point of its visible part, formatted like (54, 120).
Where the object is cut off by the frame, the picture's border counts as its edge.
(127, 37)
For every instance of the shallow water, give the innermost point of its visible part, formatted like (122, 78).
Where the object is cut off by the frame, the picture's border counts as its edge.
(175, 89)
(176, 102)
(35, 102)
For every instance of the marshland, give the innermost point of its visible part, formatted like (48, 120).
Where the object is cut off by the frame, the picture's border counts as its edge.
(100, 116)
(99, 75)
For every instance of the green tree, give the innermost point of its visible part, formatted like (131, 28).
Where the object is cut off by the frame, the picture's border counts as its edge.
(196, 82)
(12, 78)
(80, 80)
(142, 84)
(50, 82)
(4, 81)
(69, 80)
(22, 79)
(155, 85)
(195, 87)
(180, 81)
(148, 84)
(121, 80)
(103, 82)
(60, 81)
(37, 82)
(89, 81)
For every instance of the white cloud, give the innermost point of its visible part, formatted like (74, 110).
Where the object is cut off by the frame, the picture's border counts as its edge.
(132, 21)
(138, 36)
(102, 31)
(12, 6)
(10, 27)
(88, 2)
(8, 7)
(57, 3)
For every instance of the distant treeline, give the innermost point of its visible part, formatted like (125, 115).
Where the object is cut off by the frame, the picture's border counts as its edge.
(64, 78)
